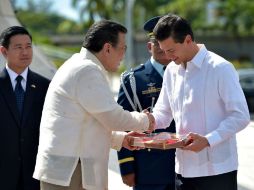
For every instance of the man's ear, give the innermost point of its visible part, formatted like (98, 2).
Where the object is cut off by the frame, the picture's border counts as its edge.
(106, 47)
(188, 39)
(149, 46)
(3, 50)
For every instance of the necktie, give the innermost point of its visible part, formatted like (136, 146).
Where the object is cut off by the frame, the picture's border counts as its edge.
(164, 67)
(19, 93)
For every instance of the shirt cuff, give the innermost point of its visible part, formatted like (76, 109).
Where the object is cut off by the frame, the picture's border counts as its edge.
(117, 139)
(213, 138)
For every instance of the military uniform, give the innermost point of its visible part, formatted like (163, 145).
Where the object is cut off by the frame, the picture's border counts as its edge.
(154, 169)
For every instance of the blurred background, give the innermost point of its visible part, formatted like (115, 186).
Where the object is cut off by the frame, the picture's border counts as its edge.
(224, 26)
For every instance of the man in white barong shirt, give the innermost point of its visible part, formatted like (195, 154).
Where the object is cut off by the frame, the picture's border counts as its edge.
(80, 115)
(201, 92)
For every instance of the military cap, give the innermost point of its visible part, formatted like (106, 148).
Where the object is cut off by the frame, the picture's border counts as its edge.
(150, 24)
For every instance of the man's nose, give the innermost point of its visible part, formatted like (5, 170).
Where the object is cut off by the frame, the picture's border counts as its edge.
(170, 55)
(24, 51)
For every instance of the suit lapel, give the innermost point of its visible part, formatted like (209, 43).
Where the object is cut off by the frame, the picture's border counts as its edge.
(7, 91)
(29, 95)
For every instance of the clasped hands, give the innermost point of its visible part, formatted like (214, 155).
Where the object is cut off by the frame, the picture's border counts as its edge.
(151, 121)
(129, 137)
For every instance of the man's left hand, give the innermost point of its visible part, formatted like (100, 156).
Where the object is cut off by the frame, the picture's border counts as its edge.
(196, 142)
(129, 138)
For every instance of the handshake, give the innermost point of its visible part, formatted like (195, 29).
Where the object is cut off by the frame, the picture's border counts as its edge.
(151, 121)
(129, 137)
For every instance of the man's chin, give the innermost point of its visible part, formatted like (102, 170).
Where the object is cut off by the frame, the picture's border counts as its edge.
(25, 62)
(25, 65)
(177, 62)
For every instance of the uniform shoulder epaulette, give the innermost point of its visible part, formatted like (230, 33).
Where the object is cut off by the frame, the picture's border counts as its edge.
(138, 68)
(129, 76)
(126, 73)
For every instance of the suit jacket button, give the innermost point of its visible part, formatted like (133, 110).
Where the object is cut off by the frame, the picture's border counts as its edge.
(149, 149)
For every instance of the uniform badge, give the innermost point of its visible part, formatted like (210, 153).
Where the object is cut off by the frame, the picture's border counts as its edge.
(151, 84)
(151, 89)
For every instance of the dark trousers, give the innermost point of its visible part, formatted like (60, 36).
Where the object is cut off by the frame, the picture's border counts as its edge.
(154, 187)
(20, 185)
(29, 184)
(226, 181)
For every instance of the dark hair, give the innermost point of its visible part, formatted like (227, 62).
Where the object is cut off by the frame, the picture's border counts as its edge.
(102, 32)
(173, 26)
(10, 32)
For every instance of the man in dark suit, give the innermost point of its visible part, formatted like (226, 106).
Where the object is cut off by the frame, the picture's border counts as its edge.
(22, 94)
(146, 169)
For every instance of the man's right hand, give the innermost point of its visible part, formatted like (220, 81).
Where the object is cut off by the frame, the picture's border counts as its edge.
(129, 179)
(151, 121)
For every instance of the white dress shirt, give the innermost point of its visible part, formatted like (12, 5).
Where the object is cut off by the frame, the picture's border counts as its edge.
(14, 75)
(205, 98)
(78, 120)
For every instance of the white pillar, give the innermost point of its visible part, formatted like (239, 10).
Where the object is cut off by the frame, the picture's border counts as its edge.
(129, 37)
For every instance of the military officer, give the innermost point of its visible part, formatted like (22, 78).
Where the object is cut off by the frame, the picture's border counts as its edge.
(146, 169)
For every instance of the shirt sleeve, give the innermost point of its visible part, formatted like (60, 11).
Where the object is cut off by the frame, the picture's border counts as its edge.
(162, 110)
(237, 113)
(97, 99)
(117, 139)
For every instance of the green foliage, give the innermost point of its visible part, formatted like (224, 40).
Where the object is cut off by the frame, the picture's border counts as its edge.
(121, 68)
(58, 62)
(42, 23)
(238, 17)
(244, 64)
(39, 21)
(47, 23)
(38, 16)
(195, 13)
(69, 27)
(92, 10)
(232, 17)
(59, 55)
